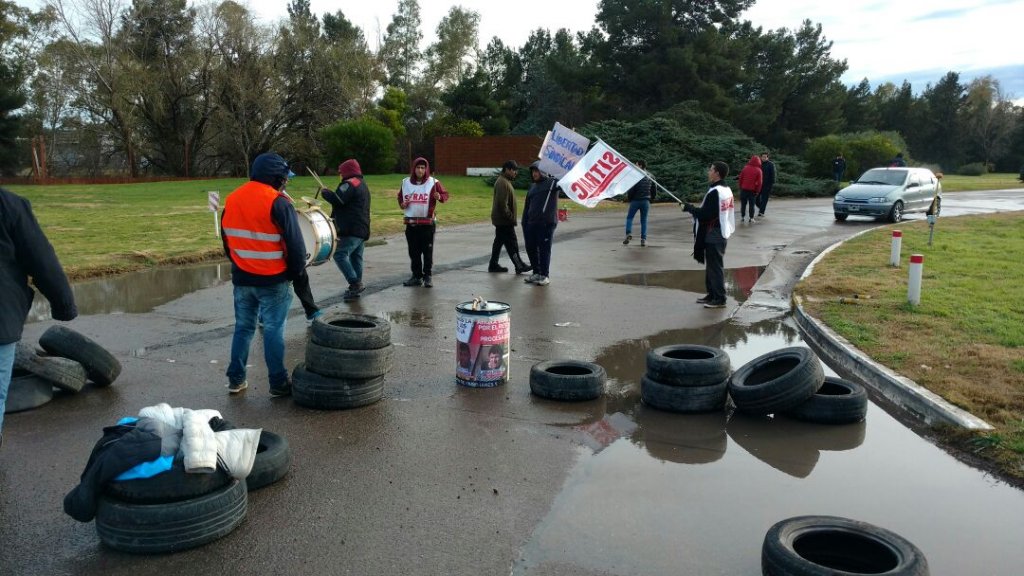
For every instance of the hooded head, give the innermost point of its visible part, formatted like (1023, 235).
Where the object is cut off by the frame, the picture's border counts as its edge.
(536, 174)
(755, 160)
(349, 168)
(270, 169)
(421, 161)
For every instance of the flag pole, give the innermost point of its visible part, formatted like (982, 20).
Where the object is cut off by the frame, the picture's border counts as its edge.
(665, 190)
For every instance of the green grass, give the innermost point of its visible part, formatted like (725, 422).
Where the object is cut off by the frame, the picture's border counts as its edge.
(1001, 181)
(104, 229)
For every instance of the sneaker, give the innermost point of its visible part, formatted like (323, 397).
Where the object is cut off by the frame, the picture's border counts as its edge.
(704, 299)
(761, 215)
(282, 390)
(714, 304)
(626, 241)
(526, 268)
(643, 241)
(310, 319)
(496, 268)
(743, 219)
(542, 281)
(356, 288)
(533, 278)
(349, 295)
(427, 283)
(414, 281)
(236, 387)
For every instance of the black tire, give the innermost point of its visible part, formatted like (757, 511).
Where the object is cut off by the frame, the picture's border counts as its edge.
(777, 381)
(273, 457)
(833, 546)
(348, 364)
(174, 485)
(683, 399)
(159, 528)
(838, 401)
(687, 365)
(351, 331)
(568, 380)
(63, 373)
(896, 214)
(27, 391)
(315, 391)
(841, 217)
(101, 365)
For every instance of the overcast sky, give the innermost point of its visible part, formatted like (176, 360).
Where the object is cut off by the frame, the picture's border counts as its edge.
(918, 40)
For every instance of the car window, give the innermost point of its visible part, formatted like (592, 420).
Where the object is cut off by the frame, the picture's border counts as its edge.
(882, 176)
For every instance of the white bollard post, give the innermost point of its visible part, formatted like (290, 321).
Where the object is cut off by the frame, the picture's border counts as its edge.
(897, 245)
(914, 284)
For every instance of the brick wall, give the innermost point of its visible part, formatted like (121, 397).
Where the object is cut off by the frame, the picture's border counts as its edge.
(454, 154)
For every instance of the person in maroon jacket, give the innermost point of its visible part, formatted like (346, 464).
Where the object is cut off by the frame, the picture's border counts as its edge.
(418, 197)
(750, 186)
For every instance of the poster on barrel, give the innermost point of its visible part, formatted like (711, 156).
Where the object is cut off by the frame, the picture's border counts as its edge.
(482, 349)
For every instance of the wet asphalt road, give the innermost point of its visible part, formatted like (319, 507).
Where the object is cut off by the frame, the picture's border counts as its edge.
(439, 479)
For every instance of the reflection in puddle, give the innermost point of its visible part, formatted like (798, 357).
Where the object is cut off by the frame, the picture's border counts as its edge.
(791, 446)
(137, 292)
(739, 282)
(415, 318)
(684, 439)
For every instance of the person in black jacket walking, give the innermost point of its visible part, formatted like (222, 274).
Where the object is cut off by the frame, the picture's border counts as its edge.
(640, 197)
(350, 209)
(767, 183)
(540, 217)
(25, 253)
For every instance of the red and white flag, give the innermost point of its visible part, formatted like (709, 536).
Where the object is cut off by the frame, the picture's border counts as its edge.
(601, 174)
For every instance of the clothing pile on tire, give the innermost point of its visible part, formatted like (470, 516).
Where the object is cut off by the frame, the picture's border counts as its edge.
(67, 361)
(159, 483)
(347, 358)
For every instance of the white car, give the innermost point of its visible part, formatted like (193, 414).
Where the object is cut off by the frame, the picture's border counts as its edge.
(889, 193)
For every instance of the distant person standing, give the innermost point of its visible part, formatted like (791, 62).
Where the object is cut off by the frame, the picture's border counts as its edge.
(714, 222)
(25, 253)
(503, 217)
(750, 179)
(838, 168)
(767, 183)
(898, 161)
(640, 197)
(540, 217)
(350, 209)
(417, 198)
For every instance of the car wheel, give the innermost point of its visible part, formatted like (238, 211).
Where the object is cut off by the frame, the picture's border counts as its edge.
(896, 214)
(841, 217)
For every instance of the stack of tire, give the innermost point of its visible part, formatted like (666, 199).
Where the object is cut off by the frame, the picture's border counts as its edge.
(347, 358)
(791, 381)
(68, 360)
(686, 378)
(175, 510)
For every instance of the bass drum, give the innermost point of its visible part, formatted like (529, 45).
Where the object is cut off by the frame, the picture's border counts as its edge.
(318, 234)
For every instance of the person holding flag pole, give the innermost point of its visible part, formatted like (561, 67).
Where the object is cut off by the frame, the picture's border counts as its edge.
(714, 221)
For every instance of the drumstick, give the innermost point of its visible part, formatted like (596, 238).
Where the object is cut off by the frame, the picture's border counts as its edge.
(318, 181)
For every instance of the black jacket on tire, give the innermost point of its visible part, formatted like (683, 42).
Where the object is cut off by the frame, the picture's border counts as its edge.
(26, 253)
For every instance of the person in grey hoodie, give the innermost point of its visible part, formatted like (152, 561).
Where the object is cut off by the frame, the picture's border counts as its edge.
(540, 216)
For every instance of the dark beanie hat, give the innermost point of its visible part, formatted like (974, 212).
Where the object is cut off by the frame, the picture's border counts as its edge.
(270, 169)
(349, 168)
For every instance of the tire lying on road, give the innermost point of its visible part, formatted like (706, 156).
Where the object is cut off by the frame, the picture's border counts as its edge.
(838, 401)
(63, 373)
(350, 331)
(273, 457)
(683, 399)
(570, 380)
(173, 526)
(173, 485)
(339, 363)
(829, 545)
(777, 381)
(27, 391)
(312, 390)
(101, 365)
(687, 365)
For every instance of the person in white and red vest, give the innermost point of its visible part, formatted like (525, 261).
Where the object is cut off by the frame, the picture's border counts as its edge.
(418, 198)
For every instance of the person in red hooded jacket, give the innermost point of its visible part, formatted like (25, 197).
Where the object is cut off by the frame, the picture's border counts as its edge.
(417, 198)
(751, 179)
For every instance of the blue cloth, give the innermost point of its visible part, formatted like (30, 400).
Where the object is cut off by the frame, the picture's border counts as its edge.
(127, 420)
(349, 258)
(6, 369)
(147, 469)
(271, 304)
(643, 206)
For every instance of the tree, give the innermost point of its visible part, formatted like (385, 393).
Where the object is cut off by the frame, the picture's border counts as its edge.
(18, 44)
(938, 138)
(987, 120)
(400, 52)
(471, 99)
(859, 108)
(456, 41)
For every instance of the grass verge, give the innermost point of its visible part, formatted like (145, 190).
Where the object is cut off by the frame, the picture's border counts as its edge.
(965, 341)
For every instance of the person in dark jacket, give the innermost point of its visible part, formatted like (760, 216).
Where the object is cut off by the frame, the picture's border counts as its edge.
(418, 200)
(540, 217)
(350, 209)
(262, 239)
(898, 161)
(640, 197)
(503, 217)
(714, 222)
(767, 183)
(750, 179)
(25, 253)
(838, 168)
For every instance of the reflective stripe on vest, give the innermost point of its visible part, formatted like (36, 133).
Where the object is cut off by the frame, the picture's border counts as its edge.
(252, 237)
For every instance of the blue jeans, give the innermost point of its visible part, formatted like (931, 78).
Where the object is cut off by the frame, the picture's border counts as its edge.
(643, 206)
(271, 304)
(6, 369)
(349, 258)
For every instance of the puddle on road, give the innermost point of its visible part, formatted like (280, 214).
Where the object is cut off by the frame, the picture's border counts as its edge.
(739, 282)
(137, 292)
(660, 493)
(416, 318)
